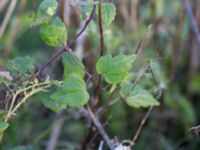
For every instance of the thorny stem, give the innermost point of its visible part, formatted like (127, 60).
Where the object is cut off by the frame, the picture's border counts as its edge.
(69, 45)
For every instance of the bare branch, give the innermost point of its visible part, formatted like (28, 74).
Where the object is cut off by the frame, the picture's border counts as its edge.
(97, 123)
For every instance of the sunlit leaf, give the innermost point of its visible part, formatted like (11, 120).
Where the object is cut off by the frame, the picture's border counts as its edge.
(72, 65)
(54, 34)
(115, 69)
(136, 96)
(73, 92)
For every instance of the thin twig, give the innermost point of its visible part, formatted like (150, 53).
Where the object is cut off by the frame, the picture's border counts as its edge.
(142, 124)
(69, 45)
(7, 17)
(144, 39)
(100, 128)
(146, 117)
(192, 21)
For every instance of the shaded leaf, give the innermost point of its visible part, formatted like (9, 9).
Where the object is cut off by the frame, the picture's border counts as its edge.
(115, 69)
(72, 65)
(136, 96)
(54, 34)
(21, 64)
(73, 92)
(3, 126)
(158, 74)
(51, 103)
(108, 12)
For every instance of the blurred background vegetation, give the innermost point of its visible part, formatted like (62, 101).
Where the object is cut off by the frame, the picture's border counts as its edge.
(172, 42)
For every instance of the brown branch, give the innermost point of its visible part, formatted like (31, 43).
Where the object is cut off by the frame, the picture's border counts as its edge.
(101, 130)
(100, 29)
(98, 87)
(69, 45)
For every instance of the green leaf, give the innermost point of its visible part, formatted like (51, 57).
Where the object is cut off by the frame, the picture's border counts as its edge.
(158, 74)
(50, 103)
(108, 12)
(39, 20)
(115, 69)
(136, 96)
(47, 8)
(45, 12)
(73, 92)
(72, 65)
(54, 34)
(3, 126)
(21, 64)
